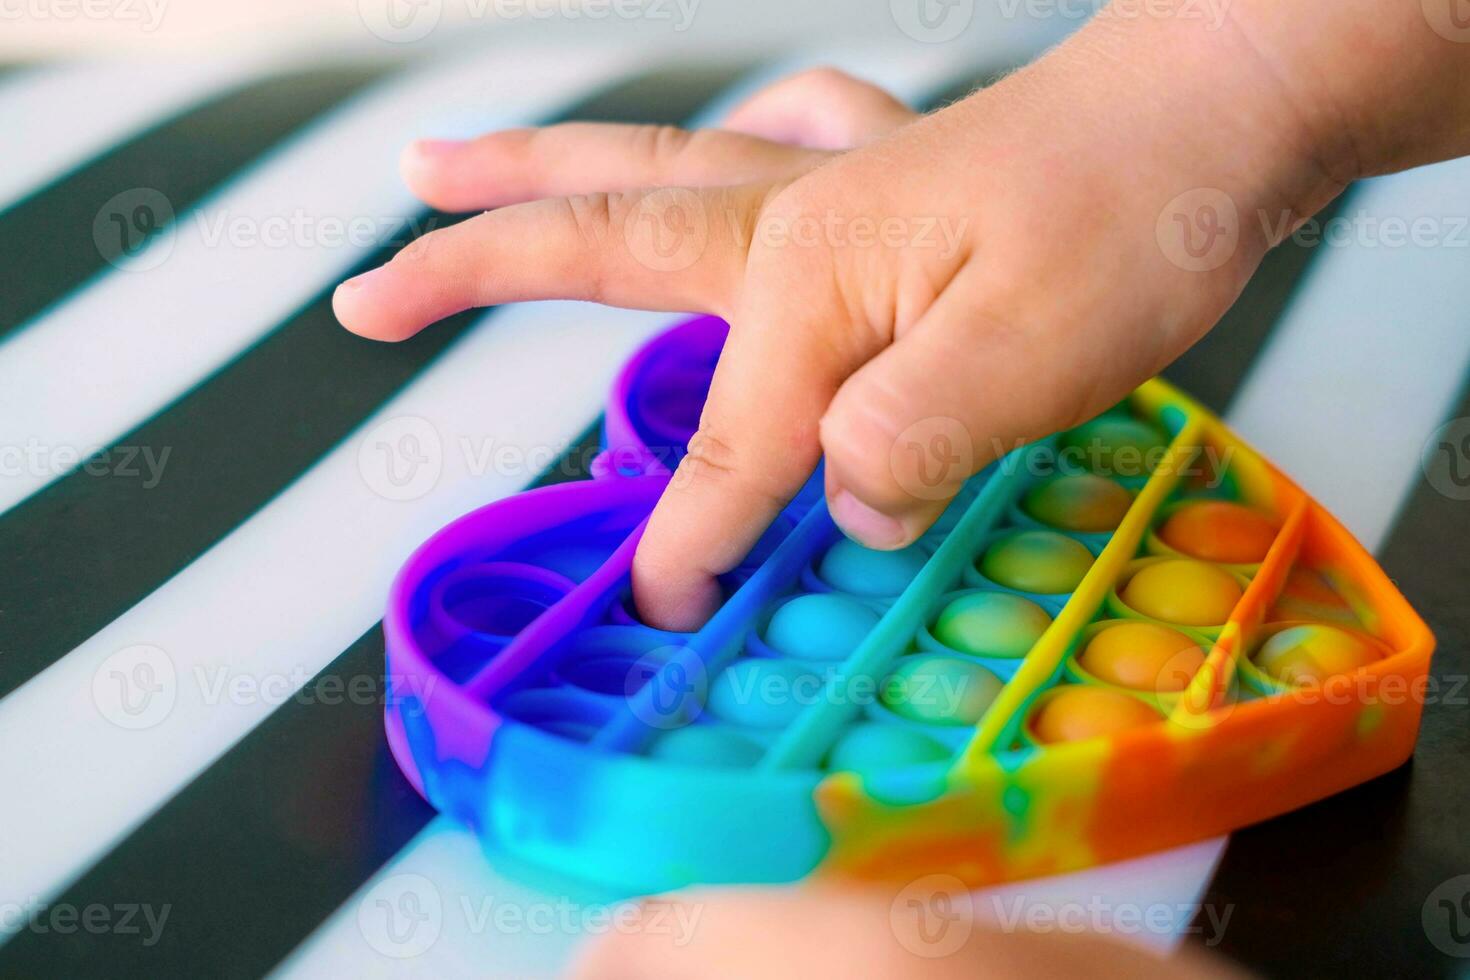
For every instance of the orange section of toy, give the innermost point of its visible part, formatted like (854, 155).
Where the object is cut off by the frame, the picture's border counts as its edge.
(1227, 754)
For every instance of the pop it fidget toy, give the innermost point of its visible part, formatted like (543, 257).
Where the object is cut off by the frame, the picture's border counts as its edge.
(1130, 636)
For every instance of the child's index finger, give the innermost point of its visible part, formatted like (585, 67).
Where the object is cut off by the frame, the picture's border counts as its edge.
(757, 444)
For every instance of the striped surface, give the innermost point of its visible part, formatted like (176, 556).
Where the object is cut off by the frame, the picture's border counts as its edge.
(231, 526)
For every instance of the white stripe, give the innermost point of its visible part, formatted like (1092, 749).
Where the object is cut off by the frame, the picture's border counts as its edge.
(131, 342)
(1371, 355)
(57, 116)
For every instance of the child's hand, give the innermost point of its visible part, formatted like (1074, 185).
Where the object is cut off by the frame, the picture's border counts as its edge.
(801, 932)
(913, 307)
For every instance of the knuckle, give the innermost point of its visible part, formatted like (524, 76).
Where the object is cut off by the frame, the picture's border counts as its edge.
(662, 146)
(709, 457)
(591, 216)
(714, 463)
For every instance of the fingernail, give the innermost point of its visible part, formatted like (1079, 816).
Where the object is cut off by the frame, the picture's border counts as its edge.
(360, 280)
(866, 525)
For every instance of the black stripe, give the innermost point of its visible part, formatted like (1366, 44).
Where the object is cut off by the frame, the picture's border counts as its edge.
(63, 234)
(257, 851)
(1213, 369)
(81, 551)
(1341, 887)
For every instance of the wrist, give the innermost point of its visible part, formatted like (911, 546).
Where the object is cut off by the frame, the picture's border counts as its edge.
(1219, 108)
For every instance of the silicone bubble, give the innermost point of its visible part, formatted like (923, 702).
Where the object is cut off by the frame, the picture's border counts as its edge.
(705, 745)
(1217, 530)
(940, 689)
(820, 626)
(991, 624)
(1042, 562)
(1076, 712)
(872, 746)
(763, 693)
(1116, 445)
(1310, 654)
(849, 567)
(1083, 502)
(1142, 656)
(1180, 590)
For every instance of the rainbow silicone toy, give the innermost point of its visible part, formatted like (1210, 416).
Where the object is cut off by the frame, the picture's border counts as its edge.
(949, 707)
